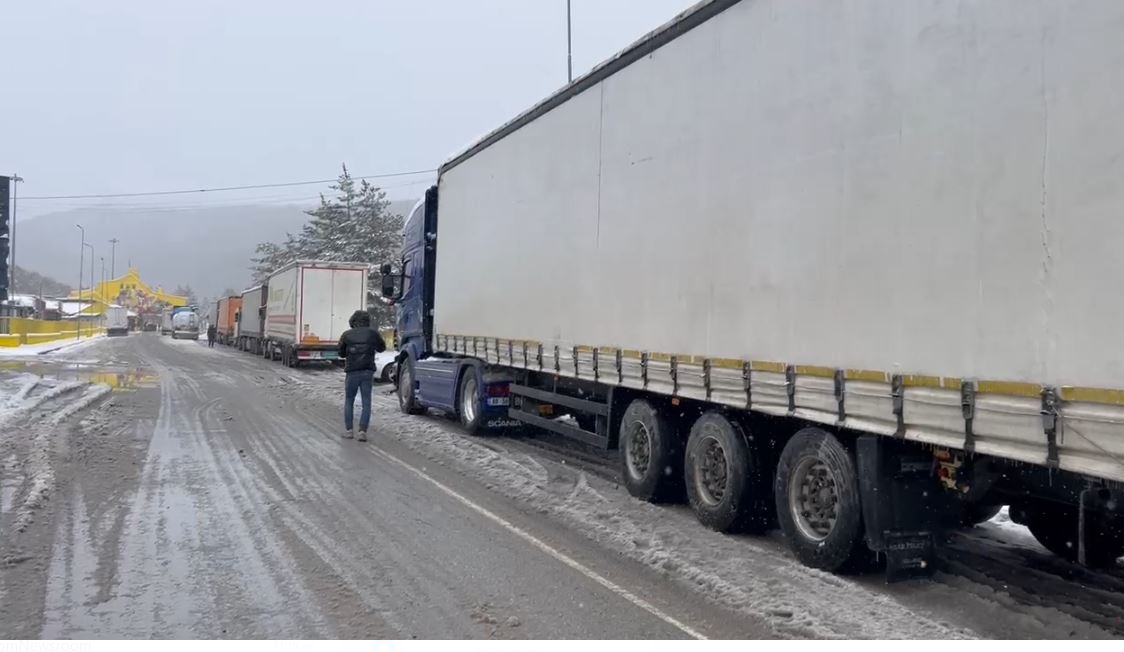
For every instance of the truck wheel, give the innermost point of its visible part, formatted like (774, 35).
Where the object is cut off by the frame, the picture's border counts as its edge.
(724, 482)
(407, 399)
(1055, 527)
(818, 505)
(469, 408)
(972, 514)
(651, 454)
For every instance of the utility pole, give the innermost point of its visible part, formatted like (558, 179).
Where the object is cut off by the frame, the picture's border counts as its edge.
(113, 257)
(91, 274)
(569, 47)
(102, 287)
(16, 179)
(81, 266)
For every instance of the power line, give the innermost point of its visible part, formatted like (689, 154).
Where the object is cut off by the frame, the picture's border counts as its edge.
(228, 202)
(224, 189)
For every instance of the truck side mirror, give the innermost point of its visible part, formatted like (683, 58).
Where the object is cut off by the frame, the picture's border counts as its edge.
(387, 283)
(385, 269)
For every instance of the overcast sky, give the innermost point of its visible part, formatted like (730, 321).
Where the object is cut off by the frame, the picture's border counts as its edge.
(136, 95)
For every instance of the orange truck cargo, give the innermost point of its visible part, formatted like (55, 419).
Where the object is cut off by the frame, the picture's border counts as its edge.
(226, 323)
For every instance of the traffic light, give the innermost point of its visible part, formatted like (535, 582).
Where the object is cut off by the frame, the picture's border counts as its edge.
(5, 184)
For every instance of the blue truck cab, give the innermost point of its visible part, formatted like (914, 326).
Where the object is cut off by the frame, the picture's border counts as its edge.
(477, 394)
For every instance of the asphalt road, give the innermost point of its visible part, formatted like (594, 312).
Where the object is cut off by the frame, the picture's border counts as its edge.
(202, 501)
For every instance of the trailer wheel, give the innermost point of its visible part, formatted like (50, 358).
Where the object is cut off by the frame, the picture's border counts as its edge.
(651, 453)
(469, 408)
(818, 505)
(972, 514)
(725, 486)
(407, 397)
(1056, 528)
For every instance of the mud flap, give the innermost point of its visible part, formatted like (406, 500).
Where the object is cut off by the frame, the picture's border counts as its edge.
(902, 506)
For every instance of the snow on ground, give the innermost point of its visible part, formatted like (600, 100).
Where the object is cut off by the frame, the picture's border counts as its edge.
(31, 410)
(743, 573)
(32, 350)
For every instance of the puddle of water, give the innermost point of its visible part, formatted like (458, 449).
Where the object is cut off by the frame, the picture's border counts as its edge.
(118, 378)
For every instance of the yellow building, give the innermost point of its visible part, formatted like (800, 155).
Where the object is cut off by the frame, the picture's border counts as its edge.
(129, 291)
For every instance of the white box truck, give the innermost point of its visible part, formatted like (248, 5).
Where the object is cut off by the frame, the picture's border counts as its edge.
(116, 320)
(308, 308)
(251, 320)
(847, 267)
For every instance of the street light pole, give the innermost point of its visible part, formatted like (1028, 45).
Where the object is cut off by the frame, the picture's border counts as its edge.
(16, 179)
(102, 287)
(569, 47)
(81, 266)
(113, 258)
(91, 282)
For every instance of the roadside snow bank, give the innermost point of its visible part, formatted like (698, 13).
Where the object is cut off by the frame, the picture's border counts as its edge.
(32, 350)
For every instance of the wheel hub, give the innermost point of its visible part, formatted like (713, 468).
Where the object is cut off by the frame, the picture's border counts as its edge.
(638, 452)
(712, 470)
(813, 499)
(405, 383)
(468, 399)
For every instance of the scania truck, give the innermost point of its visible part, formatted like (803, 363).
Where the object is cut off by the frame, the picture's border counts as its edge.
(849, 269)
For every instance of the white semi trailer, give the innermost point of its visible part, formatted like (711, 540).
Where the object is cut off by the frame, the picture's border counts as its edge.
(308, 307)
(849, 267)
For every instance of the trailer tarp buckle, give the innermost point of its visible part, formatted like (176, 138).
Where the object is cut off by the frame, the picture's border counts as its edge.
(840, 395)
(897, 393)
(968, 409)
(790, 387)
(1050, 422)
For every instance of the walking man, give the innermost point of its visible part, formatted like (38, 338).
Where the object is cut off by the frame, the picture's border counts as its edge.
(358, 346)
(211, 332)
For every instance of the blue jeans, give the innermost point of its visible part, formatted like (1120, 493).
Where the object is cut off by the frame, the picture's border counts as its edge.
(357, 381)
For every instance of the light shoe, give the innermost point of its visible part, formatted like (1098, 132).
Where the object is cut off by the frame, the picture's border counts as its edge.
(347, 435)
(362, 435)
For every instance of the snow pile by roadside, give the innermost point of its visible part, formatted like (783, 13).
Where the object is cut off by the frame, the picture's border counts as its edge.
(31, 410)
(753, 578)
(33, 350)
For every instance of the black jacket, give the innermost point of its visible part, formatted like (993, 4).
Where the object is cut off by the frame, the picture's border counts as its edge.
(358, 347)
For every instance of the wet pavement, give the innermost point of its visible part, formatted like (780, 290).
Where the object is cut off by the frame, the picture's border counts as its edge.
(197, 500)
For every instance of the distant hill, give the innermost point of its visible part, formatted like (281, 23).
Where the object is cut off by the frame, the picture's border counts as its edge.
(29, 282)
(208, 249)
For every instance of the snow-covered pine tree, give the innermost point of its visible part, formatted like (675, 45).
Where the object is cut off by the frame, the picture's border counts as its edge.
(352, 225)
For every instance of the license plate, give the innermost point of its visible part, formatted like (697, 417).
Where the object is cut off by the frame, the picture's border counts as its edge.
(499, 400)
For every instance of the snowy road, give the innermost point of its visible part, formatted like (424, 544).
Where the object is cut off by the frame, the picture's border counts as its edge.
(209, 494)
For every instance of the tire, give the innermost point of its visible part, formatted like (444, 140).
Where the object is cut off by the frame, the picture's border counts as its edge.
(972, 514)
(725, 485)
(407, 398)
(384, 377)
(1056, 528)
(816, 459)
(470, 410)
(650, 454)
